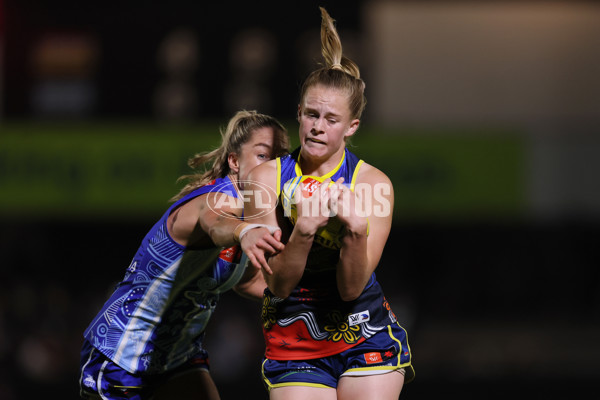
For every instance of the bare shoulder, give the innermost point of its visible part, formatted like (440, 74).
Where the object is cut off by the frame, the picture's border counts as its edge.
(261, 192)
(377, 192)
(372, 175)
(265, 172)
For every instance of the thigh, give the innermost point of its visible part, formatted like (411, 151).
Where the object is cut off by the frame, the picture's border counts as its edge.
(312, 374)
(372, 387)
(300, 380)
(302, 393)
(190, 384)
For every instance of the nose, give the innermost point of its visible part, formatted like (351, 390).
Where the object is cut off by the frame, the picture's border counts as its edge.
(318, 126)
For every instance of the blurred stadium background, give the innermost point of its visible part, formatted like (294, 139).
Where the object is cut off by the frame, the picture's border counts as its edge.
(486, 115)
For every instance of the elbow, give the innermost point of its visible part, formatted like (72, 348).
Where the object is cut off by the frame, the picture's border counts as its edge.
(349, 294)
(349, 297)
(278, 286)
(240, 290)
(248, 294)
(280, 292)
(220, 236)
(214, 236)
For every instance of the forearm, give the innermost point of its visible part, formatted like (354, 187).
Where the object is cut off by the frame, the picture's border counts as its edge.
(353, 269)
(252, 288)
(222, 232)
(288, 266)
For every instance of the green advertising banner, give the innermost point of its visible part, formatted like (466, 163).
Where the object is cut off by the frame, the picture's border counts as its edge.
(451, 174)
(129, 169)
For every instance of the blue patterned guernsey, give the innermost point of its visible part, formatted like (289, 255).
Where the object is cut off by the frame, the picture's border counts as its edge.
(156, 317)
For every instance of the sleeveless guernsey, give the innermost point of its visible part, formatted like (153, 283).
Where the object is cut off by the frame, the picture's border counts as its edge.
(155, 319)
(314, 321)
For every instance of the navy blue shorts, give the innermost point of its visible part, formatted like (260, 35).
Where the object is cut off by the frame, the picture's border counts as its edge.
(102, 377)
(384, 352)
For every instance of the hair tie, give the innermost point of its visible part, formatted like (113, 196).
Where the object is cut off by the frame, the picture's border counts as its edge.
(336, 66)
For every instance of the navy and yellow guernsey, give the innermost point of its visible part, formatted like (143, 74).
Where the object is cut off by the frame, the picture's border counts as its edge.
(313, 321)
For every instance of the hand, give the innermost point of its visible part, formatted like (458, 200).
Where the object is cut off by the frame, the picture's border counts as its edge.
(345, 205)
(314, 211)
(337, 198)
(258, 244)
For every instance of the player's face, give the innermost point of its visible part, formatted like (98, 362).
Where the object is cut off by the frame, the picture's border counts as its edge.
(255, 151)
(325, 123)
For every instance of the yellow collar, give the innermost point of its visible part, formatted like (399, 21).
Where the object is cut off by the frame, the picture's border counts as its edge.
(327, 175)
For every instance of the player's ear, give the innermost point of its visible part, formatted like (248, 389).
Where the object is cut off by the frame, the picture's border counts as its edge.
(234, 162)
(353, 128)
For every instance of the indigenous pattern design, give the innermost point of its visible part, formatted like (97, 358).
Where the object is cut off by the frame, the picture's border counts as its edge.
(313, 321)
(156, 317)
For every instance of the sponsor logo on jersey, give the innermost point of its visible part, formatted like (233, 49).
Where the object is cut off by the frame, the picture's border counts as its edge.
(309, 185)
(89, 382)
(373, 357)
(358, 318)
(231, 254)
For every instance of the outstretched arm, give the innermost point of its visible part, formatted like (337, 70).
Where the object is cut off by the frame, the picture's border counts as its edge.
(200, 223)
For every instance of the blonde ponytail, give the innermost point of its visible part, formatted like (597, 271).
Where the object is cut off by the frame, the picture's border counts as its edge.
(239, 130)
(339, 71)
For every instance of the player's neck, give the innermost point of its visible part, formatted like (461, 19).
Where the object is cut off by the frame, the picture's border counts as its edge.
(321, 167)
(236, 184)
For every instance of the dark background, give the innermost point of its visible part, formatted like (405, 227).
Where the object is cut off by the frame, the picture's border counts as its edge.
(495, 307)
(489, 310)
(128, 37)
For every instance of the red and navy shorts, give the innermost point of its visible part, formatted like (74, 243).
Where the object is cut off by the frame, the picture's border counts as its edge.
(384, 352)
(102, 377)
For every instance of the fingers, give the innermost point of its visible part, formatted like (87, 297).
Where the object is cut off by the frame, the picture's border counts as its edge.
(260, 262)
(336, 190)
(258, 244)
(261, 238)
(266, 269)
(272, 244)
(263, 264)
(324, 202)
(344, 200)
